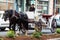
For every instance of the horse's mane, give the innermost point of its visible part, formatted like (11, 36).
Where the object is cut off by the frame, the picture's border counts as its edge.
(10, 12)
(24, 15)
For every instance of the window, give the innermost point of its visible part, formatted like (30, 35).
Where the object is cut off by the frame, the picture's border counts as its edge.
(42, 6)
(10, 6)
(4, 6)
(58, 5)
(58, 1)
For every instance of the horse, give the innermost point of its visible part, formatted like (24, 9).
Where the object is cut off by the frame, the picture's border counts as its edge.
(16, 18)
(24, 22)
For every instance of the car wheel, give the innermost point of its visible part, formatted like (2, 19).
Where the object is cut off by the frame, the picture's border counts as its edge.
(2, 29)
(53, 25)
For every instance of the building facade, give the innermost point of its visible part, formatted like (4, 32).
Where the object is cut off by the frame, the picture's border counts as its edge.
(57, 6)
(41, 6)
(6, 4)
(44, 6)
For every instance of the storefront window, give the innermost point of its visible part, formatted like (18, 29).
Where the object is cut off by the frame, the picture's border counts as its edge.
(42, 6)
(58, 5)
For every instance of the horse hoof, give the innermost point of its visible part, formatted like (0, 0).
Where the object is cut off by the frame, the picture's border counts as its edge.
(18, 34)
(23, 31)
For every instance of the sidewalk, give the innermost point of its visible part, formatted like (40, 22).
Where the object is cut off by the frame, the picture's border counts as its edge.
(54, 39)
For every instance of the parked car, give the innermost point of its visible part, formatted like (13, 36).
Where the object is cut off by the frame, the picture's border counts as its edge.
(57, 20)
(3, 24)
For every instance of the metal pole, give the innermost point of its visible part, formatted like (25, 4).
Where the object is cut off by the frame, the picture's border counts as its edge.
(35, 6)
(55, 6)
(55, 3)
(7, 4)
(14, 4)
(14, 7)
(24, 5)
(36, 14)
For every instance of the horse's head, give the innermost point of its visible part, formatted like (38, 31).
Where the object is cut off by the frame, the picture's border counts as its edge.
(5, 15)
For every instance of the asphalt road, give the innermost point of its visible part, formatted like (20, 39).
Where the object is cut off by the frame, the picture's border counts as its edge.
(4, 33)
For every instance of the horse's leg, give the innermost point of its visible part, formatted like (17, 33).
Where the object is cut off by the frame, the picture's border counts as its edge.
(26, 28)
(13, 27)
(19, 24)
(19, 27)
(10, 25)
(26, 32)
(23, 29)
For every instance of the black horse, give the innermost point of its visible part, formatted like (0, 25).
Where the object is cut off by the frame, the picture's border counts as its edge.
(16, 18)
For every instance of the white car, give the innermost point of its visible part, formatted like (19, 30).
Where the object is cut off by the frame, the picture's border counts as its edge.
(3, 24)
(57, 18)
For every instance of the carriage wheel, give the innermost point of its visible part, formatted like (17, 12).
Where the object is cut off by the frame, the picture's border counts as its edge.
(53, 25)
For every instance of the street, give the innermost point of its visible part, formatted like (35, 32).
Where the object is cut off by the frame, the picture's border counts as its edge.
(4, 33)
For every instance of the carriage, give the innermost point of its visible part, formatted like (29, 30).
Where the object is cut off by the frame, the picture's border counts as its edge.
(38, 24)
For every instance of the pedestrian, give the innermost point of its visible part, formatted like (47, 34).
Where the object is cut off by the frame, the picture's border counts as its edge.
(32, 8)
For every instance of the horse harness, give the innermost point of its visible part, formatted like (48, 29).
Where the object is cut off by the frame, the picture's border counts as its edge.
(15, 14)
